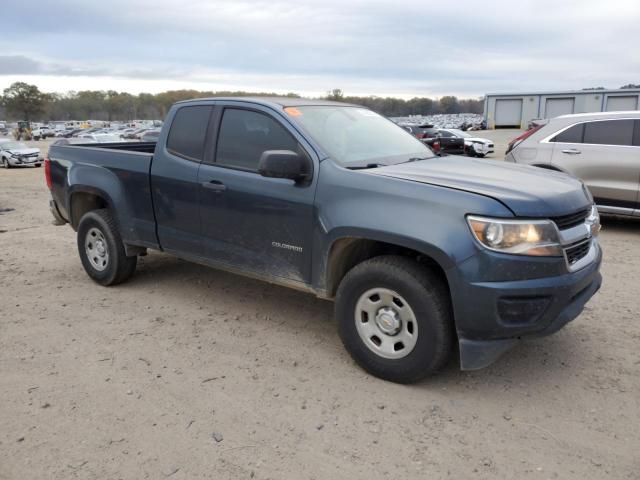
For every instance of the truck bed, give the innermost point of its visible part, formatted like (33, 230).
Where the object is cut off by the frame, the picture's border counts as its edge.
(119, 168)
(140, 147)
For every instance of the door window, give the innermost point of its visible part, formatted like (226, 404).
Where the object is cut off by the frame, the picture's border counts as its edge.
(609, 132)
(571, 135)
(245, 135)
(189, 132)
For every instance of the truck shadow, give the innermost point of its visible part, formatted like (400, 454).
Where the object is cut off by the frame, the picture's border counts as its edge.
(532, 362)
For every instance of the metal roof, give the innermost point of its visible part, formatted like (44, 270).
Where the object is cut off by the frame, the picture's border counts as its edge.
(595, 115)
(632, 91)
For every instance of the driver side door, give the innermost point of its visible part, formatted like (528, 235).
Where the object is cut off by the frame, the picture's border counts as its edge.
(258, 224)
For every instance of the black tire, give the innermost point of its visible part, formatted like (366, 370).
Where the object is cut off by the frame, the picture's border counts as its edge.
(426, 295)
(480, 155)
(119, 267)
(37, 165)
(5, 163)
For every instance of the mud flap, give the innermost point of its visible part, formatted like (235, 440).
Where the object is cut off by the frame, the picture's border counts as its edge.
(477, 354)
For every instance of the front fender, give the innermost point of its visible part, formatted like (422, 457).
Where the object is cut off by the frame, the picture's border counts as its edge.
(418, 244)
(425, 218)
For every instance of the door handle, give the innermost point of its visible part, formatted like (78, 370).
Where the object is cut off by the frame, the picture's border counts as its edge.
(572, 151)
(215, 185)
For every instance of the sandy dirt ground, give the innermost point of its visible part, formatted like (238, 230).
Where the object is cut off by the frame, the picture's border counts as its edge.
(186, 372)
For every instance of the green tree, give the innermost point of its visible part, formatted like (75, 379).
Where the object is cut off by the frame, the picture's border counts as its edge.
(449, 104)
(336, 95)
(23, 100)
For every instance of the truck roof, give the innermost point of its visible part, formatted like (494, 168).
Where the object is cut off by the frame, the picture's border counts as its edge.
(277, 102)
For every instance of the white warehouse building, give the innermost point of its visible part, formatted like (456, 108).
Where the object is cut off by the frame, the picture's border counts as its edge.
(516, 110)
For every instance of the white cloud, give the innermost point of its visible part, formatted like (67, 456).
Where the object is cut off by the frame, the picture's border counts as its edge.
(309, 46)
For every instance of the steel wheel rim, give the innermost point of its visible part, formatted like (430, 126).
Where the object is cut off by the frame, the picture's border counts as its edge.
(96, 248)
(386, 323)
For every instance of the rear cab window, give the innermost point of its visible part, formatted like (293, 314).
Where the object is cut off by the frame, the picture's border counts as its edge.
(188, 133)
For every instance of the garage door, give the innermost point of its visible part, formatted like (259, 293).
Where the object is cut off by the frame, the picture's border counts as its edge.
(509, 113)
(621, 104)
(554, 107)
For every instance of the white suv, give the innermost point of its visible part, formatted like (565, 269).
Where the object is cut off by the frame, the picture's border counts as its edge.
(41, 133)
(602, 149)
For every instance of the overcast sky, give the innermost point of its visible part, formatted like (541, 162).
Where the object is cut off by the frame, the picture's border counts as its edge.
(365, 47)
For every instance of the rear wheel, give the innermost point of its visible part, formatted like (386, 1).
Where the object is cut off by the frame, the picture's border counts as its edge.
(101, 249)
(395, 318)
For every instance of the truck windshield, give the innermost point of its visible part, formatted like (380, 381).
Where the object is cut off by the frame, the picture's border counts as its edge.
(355, 136)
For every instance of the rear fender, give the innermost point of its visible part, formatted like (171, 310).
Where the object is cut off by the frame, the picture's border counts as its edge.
(104, 184)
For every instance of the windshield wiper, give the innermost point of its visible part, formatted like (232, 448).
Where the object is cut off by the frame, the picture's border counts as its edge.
(368, 165)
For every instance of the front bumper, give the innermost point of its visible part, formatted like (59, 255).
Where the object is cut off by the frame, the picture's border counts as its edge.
(491, 317)
(25, 161)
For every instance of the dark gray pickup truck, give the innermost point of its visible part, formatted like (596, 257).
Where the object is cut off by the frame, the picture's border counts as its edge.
(418, 252)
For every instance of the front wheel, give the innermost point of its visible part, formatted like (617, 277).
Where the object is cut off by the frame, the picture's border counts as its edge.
(5, 162)
(101, 249)
(395, 319)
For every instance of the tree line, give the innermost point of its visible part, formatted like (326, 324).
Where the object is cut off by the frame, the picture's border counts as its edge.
(22, 101)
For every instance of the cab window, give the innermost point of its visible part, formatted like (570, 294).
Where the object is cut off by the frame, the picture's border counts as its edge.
(245, 134)
(189, 132)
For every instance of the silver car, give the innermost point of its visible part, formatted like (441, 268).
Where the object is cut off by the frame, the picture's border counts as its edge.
(602, 149)
(17, 154)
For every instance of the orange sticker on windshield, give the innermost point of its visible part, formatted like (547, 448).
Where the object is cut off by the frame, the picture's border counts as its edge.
(293, 111)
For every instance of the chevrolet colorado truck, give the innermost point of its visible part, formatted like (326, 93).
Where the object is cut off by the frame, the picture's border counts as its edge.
(418, 252)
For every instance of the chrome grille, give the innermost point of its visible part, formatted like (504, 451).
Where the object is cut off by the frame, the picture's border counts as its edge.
(577, 251)
(574, 219)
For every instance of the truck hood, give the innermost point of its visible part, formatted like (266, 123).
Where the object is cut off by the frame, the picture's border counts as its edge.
(526, 191)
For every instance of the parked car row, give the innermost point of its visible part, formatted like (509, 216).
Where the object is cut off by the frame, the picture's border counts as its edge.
(450, 140)
(120, 131)
(462, 121)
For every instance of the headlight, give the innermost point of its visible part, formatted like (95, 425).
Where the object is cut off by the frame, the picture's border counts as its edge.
(518, 237)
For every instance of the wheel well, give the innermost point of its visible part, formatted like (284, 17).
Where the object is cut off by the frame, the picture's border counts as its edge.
(82, 203)
(346, 253)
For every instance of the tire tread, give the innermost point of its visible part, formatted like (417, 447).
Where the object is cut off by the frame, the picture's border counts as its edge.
(125, 266)
(410, 271)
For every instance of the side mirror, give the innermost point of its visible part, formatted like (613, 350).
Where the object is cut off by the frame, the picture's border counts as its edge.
(285, 164)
